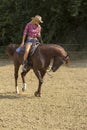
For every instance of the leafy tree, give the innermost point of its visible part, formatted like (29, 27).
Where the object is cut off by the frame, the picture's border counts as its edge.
(64, 21)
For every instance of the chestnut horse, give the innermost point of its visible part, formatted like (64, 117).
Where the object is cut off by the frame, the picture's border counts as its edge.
(43, 55)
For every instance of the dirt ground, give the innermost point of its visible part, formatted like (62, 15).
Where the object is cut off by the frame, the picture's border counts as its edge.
(63, 105)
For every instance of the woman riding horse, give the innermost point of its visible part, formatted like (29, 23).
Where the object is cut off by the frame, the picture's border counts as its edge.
(41, 60)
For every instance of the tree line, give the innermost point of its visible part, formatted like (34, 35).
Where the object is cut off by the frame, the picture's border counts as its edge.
(65, 21)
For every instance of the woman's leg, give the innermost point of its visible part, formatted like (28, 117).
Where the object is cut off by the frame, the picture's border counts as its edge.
(27, 50)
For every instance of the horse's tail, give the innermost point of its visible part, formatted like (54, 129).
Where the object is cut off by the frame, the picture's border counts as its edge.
(10, 49)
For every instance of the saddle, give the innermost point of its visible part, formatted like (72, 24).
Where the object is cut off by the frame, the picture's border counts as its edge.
(33, 48)
(32, 51)
(21, 50)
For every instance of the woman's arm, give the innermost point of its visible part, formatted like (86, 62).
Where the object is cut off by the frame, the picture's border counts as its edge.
(25, 34)
(23, 40)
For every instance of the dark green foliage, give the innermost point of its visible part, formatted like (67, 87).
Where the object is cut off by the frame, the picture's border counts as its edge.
(65, 21)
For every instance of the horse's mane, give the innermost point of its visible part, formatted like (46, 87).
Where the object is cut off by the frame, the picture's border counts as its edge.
(10, 49)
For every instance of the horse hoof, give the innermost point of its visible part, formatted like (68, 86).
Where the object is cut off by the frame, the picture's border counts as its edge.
(17, 92)
(37, 94)
(23, 89)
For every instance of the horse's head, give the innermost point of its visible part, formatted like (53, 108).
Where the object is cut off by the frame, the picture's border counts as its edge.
(59, 60)
(56, 63)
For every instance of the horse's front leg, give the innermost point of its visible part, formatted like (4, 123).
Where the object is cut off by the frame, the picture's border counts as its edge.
(16, 78)
(23, 74)
(39, 75)
(38, 92)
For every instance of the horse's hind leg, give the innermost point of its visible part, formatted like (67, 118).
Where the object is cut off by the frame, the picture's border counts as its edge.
(23, 74)
(16, 69)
